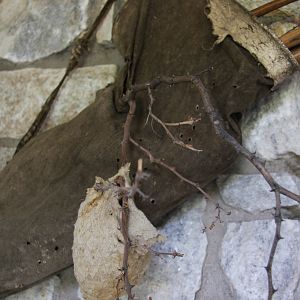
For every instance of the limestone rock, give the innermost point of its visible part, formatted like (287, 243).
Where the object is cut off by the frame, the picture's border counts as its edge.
(104, 33)
(47, 290)
(252, 193)
(179, 278)
(244, 254)
(273, 130)
(23, 93)
(31, 30)
(98, 251)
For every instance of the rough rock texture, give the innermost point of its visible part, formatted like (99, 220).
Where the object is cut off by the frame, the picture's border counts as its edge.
(244, 255)
(46, 290)
(279, 21)
(273, 130)
(180, 278)
(23, 93)
(252, 193)
(98, 248)
(31, 30)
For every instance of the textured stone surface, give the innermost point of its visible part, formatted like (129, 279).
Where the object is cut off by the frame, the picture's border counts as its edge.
(30, 29)
(252, 193)
(244, 255)
(104, 33)
(23, 92)
(279, 21)
(47, 290)
(179, 278)
(273, 130)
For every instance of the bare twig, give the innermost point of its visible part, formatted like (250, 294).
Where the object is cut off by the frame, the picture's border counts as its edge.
(219, 126)
(168, 167)
(158, 253)
(163, 125)
(277, 238)
(77, 52)
(127, 243)
(127, 125)
(220, 129)
(269, 7)
(217, 219)
(291, 38)
(192, 121)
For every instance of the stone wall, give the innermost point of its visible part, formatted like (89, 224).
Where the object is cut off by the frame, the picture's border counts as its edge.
(224, 262)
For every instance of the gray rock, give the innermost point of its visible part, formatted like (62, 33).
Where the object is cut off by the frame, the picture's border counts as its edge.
(24, 91)
(252, 193)
(31, 30)
(104, 33)
(47, 290)
(273, 131)
(244, 254)
(178, 278)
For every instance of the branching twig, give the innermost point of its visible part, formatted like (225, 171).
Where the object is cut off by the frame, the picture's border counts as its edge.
(220, 129)
(168, 167)
(219, 126)
(163, 125)
(77, 52)
(217, 219)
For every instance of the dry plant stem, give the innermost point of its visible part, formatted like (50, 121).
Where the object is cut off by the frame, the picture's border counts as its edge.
(168, 132)
(77, 52)
(190, 122)
(269, 7)
(126, 241)
(168, 167)
(277, 238)
(126, 136)
(219, 126)
(173, 253)
(220, 129)
(292, 38)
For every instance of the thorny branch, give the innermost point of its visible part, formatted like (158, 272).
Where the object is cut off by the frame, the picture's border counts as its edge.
(220, 129)
(125, 193)
(217, 219)
(77, 52)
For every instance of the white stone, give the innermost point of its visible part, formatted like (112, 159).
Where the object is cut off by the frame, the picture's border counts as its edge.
(23, 93)
(273, 132)
(47, 290)
(252, 193)
(178, 278)
(104, 33)
(244, 254)
(30, 30)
